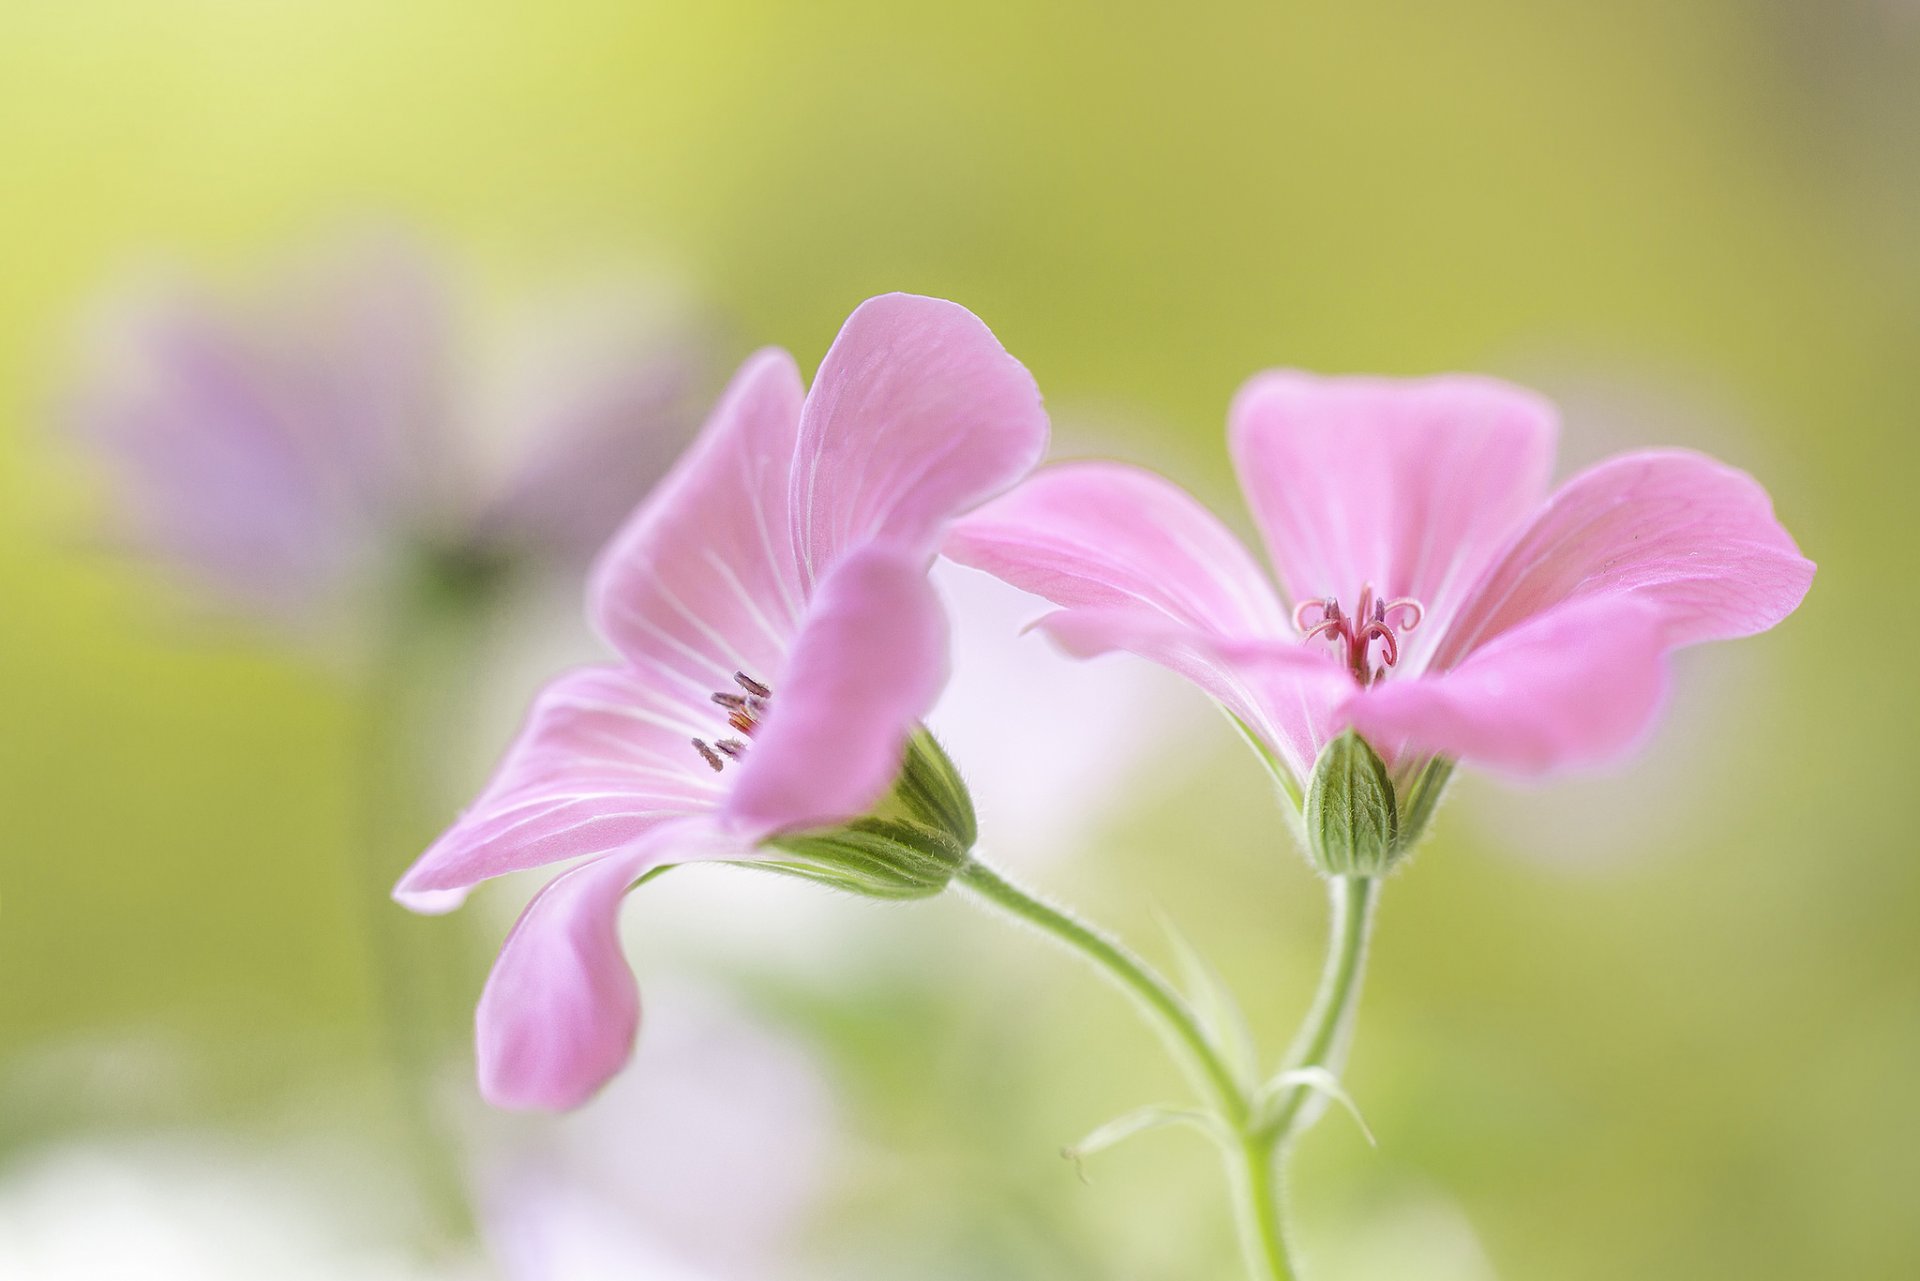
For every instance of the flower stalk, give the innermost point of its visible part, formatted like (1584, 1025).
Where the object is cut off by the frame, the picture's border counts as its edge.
(1169, 1012)
(1256, 1125)
(1323, 1039)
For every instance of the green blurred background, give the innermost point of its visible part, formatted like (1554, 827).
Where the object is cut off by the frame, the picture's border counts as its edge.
(1664, 1024)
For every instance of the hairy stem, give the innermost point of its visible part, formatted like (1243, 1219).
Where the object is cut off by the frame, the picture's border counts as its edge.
(1256, 1207)
(1253, 1139)
(1250, 1156)
(1323, 1038)
(1153, 994)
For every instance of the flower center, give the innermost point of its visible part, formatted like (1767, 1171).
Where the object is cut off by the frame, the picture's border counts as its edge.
(1354, 634)
(744, 711)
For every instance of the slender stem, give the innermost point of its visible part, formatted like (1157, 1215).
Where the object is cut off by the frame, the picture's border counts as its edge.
(1250, 1155)
(1323, 1038)
(1257, 1208)
(1256, 1140)
(1127, 971)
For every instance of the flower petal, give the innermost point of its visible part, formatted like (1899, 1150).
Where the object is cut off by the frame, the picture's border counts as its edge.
(1578, 685)
(560, 1009)
(1284, 692)
(603, 759)
(1691, 535)
(1411, 485)
(868, 664)
(702, 581)
(917, 414)
(211, 451)
(1106, 535)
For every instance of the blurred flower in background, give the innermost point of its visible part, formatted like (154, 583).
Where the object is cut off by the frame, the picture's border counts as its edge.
(300, 447)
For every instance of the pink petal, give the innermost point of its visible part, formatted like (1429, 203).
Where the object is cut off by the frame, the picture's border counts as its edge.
(1695, 537)
(1578, 685)
(560, 1009)
(702, 582)
(867, 666)
(1284, 692)
(1107, 535)
(212, 469)
(604, 758)
(1411, 485)
(917, 414)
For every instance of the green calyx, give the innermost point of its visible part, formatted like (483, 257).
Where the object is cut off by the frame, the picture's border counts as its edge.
(1356, 823)
(908, 846)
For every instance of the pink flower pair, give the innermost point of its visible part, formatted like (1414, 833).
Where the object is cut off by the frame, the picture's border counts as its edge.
(780, 643)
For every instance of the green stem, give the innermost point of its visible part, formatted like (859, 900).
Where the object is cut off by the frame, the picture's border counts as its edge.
(1256, 1139)
(1132, 975)
(1323, 1038)
(1257, 1208)
(1250, 1155)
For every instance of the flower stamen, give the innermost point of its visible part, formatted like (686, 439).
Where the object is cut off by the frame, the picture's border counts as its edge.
(1355, 634)
(744, 711)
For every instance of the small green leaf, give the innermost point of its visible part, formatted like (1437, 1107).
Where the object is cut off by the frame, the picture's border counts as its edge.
(1139, 1121)
(1321, 1081)
(1213, 1004)
(1428, 784)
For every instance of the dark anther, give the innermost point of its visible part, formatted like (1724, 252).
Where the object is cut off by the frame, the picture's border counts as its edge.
(743, 718)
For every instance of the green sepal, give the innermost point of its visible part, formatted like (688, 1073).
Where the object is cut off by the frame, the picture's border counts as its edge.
(1423, 792)
(907, 847)
(1352, 818)
(1318, 1079)
(1139, 1121)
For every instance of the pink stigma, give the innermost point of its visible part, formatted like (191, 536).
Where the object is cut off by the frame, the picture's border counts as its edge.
(1355, 634)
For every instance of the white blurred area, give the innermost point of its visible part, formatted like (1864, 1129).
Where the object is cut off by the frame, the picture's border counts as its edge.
(1047, 743)
(201, 1207)
(703, 1162)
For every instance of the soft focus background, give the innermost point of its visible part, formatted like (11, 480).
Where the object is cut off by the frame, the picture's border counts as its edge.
(1664, 1024)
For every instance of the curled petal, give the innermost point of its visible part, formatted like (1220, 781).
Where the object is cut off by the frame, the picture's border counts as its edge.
(1687, 534)
(1104, 535)
(868, 664)
(917, 415)
(560, 1010)
(1579, 685)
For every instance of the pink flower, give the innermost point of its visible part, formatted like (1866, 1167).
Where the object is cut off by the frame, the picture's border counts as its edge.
(779, 644)
(292, 450)
(1433, 596)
